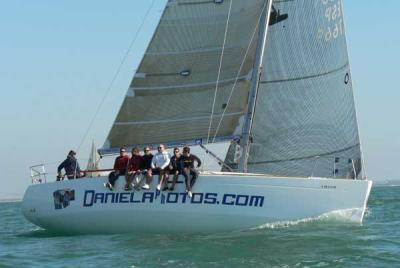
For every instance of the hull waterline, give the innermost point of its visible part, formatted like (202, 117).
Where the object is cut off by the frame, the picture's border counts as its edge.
(220, 202)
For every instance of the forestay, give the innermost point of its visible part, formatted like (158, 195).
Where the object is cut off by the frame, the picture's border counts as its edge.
(170, 98)
(305, 121)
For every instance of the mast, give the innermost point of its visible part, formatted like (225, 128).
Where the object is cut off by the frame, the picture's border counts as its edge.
(251, 106)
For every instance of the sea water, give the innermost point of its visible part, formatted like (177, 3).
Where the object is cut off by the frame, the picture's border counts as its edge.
(327, 241)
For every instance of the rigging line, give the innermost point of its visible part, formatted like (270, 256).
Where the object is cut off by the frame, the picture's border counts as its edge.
(219, 70)
(116, 75)
(238, 74)
(218, 77)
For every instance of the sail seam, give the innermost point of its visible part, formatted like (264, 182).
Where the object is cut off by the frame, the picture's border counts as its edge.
(172, 120)
(196, 3)
(226, 81)
(282, 1)
(305, 157)
(307, 77)
(190, 51)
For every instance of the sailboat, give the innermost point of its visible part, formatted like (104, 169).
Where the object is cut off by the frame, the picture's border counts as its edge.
(268, 79)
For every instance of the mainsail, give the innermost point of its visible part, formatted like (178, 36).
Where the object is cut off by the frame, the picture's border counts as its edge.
(305, 120)
(171, 96)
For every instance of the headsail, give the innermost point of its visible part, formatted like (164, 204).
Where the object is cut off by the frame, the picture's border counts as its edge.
(305, 121)
(170, 98)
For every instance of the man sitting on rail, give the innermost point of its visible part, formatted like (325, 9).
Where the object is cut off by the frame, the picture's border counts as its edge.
(160, 164)
(187, 165)
(175, 168)
(120, 167)
(146, 167)
(71, 167)
(134, 171)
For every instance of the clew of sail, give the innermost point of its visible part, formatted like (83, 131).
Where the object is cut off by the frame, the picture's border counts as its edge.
(305, 121)
(171, 96)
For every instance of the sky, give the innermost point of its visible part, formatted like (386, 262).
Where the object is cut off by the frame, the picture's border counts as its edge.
(58, 58)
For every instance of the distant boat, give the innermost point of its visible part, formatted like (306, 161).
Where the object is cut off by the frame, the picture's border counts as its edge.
(269, 80)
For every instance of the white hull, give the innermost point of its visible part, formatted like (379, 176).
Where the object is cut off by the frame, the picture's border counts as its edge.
(221, 202)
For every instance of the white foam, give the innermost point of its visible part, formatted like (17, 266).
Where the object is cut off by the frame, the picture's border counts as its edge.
(346, 215)
(36, 228)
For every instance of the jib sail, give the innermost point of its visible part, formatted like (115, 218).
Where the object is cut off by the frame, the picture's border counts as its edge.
(171, 95)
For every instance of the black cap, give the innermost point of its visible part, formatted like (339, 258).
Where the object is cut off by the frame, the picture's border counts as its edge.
(72, 152)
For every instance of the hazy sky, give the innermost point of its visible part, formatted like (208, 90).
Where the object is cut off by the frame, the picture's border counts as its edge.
(57, 59)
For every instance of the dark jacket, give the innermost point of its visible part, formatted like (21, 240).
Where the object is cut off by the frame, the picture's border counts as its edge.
(188, 161)
(175, 163)
(146, 161)
(70, 165)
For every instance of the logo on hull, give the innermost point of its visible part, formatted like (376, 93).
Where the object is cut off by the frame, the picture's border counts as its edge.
(63, 197)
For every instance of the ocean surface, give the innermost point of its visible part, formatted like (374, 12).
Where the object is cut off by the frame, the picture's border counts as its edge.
(329, 241)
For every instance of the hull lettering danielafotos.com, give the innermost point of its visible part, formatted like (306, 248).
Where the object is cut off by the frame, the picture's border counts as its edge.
(92, 198)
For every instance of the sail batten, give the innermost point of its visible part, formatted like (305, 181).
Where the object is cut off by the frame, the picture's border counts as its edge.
(194, 85)
(174, 120)
(345, 66)
(179, 52)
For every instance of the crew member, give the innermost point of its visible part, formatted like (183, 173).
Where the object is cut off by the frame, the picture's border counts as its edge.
(134, 171)
(160, 164)
(187, 165)
(175, 167)
(71, 167)
(120, 168)
(146, 167)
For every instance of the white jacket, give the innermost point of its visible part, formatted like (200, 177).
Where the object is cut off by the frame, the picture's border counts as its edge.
(161, 160)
